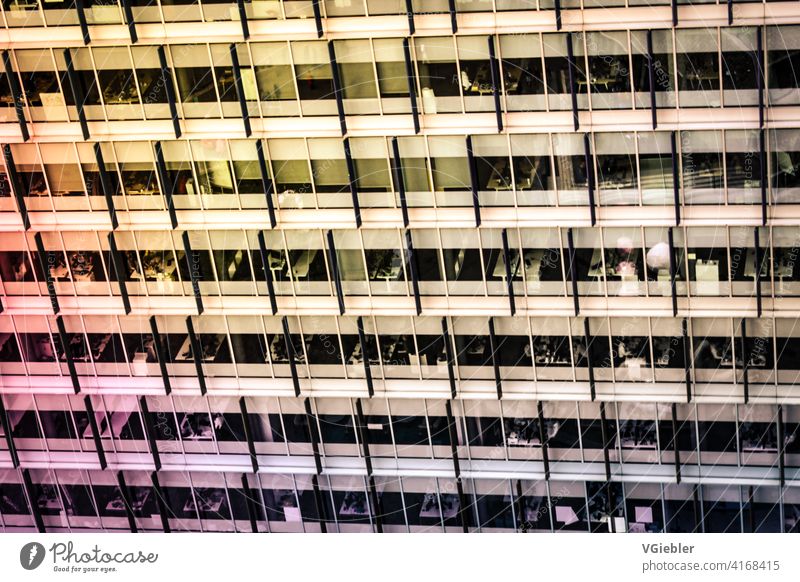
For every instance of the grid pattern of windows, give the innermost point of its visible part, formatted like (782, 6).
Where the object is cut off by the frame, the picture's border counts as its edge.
(431, 270)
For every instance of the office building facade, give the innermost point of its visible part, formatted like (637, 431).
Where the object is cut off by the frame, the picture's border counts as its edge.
(400, 266)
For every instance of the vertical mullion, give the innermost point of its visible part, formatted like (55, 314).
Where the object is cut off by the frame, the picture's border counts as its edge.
(16, 94)
(473, 179)
(77, 93)
(414, 272)
(264, 252)
(337, 280)
(352, 180)
(166, 184)
(105, 185)
(194, 271)
(62, 336)
(237, 81)
(287, 338)
(13, 179)
(162, 355)
(651, 75)
(399, 180)
(448, 350)
(130, 21)
(412, 86)
(197, 354)
(266, 182)
(509, 279)
(121, 272)
(166, 78)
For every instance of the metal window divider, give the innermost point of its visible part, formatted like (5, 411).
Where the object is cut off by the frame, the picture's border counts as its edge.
(8, 433)
(264, 252)
(248, 434)
(745, 362)
(337, 88)
(589, 360)
(676, 183)
(365, 356)
(79, 8)
(16, 95)
(573, 276)
(589, 161)
(105, 185)
(320, 505)
(363, 436)
(161, 354)
(674, 10)
(32, 501)
(410, 15)
(606, 437)
(150, 432)
(399, 181)
(509, 278)
(317, 17)
(675, 449)
(237, 82)
(248, 500)
(287, 338)
(759, 260)
(163, 508)
(557, 8)
(412, 87)
(375, 501)
(451, 6)
(243, 19)
(672, 272)
(313, 434)
(42, 257)
(98, 442)
(413, 272)
(544, 439)
(65, 347)
(76, 88)
(781, 447)
(496, 83)
(762, 171)
(448, 350)
(519, 505)
(687, 365)
(266, 182)
(337, 279)
(494, 349)
(453, 438)
(166, 78)
(130, 20)
(651, 77)
(473, 180)
(166, 185)
(760, 75)
(730, 12)
(571, 69)
(352, 180)
(125, 493)
(464, 505)
(120, 271)
(194, 271)
(197, 354)
(13, 180)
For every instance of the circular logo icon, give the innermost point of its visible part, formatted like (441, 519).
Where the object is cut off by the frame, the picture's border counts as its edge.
(31, 555)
